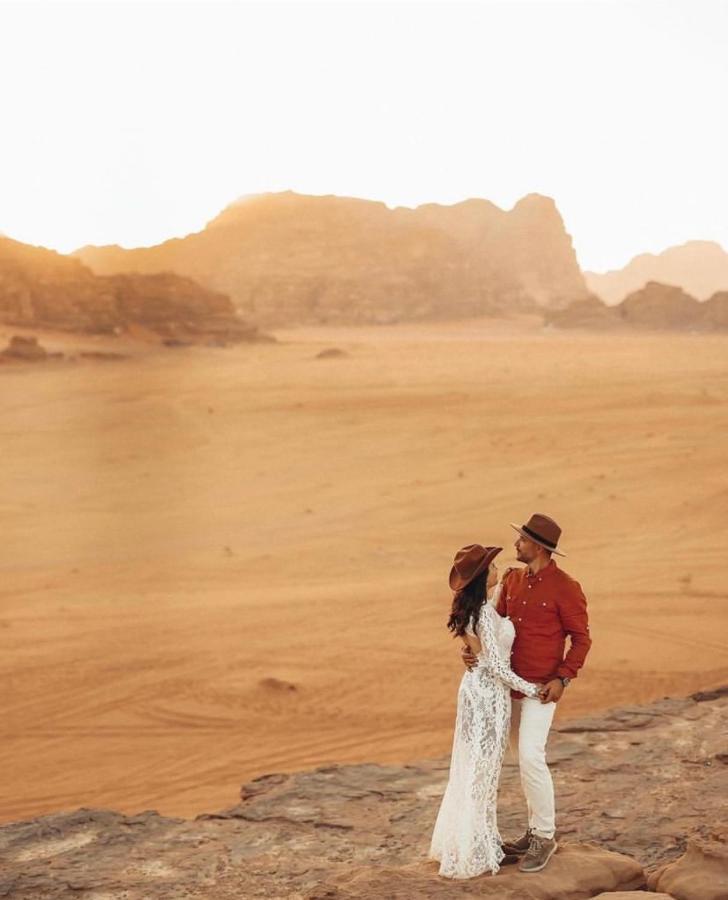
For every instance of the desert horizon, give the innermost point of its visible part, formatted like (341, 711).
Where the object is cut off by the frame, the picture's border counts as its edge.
(231, 562)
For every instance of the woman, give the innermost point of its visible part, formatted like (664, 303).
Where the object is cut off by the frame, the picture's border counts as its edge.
(465, 839)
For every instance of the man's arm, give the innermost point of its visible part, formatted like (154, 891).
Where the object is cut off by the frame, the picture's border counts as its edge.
(502, 606)
(575, 622)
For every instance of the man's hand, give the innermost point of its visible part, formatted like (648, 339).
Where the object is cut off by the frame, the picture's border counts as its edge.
(469, 658)
(552, 691)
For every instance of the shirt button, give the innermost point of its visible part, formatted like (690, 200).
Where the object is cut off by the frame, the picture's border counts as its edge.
(530, 586)
(524, 602)
(519, 620)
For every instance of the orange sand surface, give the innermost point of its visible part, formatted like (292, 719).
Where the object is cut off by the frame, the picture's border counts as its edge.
(219, 563)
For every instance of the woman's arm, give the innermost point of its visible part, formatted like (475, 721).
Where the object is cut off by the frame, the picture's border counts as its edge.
(493, 662)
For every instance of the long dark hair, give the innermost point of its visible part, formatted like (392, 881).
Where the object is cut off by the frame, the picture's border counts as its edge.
(466, 604)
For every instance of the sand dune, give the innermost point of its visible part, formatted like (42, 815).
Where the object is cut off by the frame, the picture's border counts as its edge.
(220, 563)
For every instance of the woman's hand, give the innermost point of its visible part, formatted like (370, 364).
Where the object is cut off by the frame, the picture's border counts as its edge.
(469, 658)
(540, 692)
(507, 572)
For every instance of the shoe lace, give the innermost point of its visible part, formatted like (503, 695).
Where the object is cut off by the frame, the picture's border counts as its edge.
(536, 844)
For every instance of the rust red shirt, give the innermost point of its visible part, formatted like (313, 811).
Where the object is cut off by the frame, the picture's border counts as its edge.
(545, 608)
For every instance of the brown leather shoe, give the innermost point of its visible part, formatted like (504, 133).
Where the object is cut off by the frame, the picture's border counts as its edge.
(519, 847)
(539, 852)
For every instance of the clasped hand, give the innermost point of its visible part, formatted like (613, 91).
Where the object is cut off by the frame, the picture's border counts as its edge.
(547, 693)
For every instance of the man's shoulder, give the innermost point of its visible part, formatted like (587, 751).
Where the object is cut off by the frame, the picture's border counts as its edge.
(514, 578)
(564, 576)
(563, 579)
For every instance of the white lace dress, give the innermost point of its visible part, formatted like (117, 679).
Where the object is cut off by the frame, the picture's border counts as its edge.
(466, 840)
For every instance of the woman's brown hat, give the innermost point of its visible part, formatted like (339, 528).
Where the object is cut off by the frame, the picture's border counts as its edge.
(543, 530)
(469, 562)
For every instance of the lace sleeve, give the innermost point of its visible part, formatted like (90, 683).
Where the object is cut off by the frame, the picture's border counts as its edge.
(493, 662)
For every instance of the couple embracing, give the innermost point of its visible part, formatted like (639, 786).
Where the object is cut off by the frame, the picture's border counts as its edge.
(514, 632)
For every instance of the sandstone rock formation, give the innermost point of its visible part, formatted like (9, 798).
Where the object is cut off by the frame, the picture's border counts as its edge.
(661, 306)
(700, 874)
(590, 313)
(715, 311)
(657, 307)
(25, 349)
(288, 258)
(635, 787)
(699, 267)
(577, 870)
(43, 289)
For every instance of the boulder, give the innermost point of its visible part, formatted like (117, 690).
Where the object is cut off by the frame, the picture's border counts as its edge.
(701, 873)
(26, 349)
(575, 871)
(331, 353)
(630, 895)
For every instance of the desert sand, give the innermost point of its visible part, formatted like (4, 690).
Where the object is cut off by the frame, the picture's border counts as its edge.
(220, 563)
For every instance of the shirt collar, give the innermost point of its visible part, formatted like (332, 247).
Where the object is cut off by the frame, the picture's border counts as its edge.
(548, 569)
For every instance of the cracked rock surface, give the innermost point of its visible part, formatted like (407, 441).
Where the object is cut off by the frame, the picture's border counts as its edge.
(640, 799)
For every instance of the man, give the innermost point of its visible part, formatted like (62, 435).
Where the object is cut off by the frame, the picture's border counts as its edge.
(545, 605)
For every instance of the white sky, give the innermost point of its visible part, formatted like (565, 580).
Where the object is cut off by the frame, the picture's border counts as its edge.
(134, 122)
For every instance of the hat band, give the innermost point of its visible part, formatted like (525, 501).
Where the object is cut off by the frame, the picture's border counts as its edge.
(550, 545)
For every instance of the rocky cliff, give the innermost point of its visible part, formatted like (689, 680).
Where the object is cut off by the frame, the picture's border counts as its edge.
(289, 258)
(699, 267)
(641, 798)
(43, 289)
(657, 307)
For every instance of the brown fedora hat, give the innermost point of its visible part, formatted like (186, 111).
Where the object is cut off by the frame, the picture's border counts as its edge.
(469, 562)
(543, 530)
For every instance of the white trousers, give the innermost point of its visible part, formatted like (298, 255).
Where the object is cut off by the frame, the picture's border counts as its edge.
(531, 721)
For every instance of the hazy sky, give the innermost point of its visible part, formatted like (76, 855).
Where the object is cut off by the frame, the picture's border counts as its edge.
(132, 122)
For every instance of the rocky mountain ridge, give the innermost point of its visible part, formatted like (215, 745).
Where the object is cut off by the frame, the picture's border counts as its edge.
(700, 268)
(655, 307)
(40, 288)
(641, 803)
(288, 259)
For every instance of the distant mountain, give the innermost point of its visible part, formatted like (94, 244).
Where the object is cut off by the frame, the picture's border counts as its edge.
(657, 307)
(698, 267)
(287, 258)
(40, 288)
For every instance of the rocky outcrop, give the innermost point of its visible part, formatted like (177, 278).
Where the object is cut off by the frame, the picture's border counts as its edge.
(577, 870)
(700, 874)
(640, 796)
(43, 289)
(715, 311)
(590, 313)
(23, 349)
(699, 267)
(656, 307)
(288, 258)
(660, 306)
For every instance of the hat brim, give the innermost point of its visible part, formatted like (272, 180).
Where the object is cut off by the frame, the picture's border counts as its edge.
(536, 540)
(458, 584)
